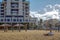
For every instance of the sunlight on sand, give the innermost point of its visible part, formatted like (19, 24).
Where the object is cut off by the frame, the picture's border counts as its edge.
(29, 35)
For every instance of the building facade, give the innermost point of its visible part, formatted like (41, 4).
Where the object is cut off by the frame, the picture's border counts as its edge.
(33, 21)
(14, 11)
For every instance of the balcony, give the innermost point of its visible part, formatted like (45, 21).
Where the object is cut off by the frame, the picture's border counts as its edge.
(14, 13)
(2, 14)
(8, 19)
(2, 8)
(14, 5)
(2, 11)
(16, 1)
(14, 10)
(4, 0)
(27, 13)
(26, 2)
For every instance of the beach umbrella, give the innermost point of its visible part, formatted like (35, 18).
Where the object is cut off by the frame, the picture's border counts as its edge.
(5, 25)
(16, 25)
(21, 25)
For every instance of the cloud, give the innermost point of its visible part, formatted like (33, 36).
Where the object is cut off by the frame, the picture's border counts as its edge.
(35, 14)
(58, 5)
(54, 13)
(50, 6)
(50, 12)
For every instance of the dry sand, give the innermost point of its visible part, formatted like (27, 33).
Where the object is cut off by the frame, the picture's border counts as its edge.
(29, 35)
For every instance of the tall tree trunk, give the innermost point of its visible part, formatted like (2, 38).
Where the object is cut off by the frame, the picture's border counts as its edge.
(58, 28)
(19, 29)
(50, 27)
(4, 28)
(12, 28)
(26, 27)
(50, 30)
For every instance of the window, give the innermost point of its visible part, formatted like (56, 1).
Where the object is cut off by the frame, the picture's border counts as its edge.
(16, 0)
(26, 20)
(17, 19)
(12, 6)
(2, 4)
(23, 0)
(1, 19)
(21, 16)
(20, 20)
(26, 4)
(2, 10)
(8, 19)
(8, 16)
(14, 19)
(2, 7)
(14, 9)
(27, 13)
(2, 13)
(5, 0)
(2, 16)
(26, 16)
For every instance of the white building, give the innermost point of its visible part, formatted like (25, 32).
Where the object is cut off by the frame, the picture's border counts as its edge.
(33, 21)
(14, 11)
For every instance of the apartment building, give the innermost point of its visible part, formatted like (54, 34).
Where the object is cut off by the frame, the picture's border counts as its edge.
(14, 11)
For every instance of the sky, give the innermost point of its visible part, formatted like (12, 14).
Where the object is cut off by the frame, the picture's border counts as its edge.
(37, 5)
(44, 9)
(0, 0)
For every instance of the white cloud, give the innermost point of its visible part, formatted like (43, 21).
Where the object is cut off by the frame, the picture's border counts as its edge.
(35, 14)
(53, 14)
(58, 5)
(50, 6)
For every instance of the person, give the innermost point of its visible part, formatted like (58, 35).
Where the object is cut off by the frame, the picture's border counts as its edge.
(50, 33)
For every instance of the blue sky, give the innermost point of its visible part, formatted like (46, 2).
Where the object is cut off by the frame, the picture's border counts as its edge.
(52, 7)
(36, 5)
(0, 0)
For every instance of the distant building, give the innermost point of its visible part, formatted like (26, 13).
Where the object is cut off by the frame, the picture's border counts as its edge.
(33, 21)
(14, 11)
(53, 22)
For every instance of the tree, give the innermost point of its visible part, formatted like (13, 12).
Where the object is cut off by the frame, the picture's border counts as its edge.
(41, 21)
(50, 26)
(58, 25)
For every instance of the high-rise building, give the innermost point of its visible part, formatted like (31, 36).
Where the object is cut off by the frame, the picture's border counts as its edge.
(14, 11)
